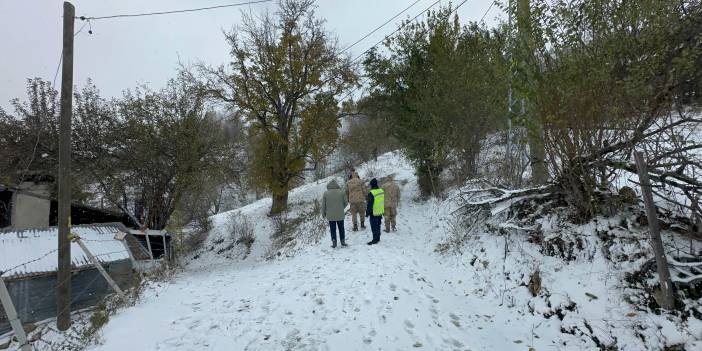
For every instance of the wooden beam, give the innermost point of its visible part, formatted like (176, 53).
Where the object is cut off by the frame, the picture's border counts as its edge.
(668, 300)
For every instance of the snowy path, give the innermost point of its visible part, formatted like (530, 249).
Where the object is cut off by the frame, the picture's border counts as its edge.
(356, 298)
(392, 296)
(398, 295)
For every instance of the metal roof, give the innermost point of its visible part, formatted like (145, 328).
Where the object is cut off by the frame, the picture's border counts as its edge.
(33, 251)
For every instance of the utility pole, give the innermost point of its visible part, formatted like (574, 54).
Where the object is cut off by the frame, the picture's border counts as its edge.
(63, 280)
(509, 94)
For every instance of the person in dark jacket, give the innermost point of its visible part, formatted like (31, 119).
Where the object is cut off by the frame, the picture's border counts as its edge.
(334, 203)
(375, 208)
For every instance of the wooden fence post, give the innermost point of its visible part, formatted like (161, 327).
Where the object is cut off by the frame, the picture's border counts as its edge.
(668, 300)
(15, 322)
(99, 267)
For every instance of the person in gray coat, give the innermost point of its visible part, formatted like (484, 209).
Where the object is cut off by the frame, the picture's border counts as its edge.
(334, 204)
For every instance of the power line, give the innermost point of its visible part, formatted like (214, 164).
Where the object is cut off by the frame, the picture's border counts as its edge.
(486, 11)
(398, 29)
(387, 36)
(53, 85)
(87, 22)
(84, 18)
(355, 89)
(377, 28)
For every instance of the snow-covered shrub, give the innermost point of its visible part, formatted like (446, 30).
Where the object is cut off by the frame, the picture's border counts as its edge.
(242, 231)
(301, 226)
(190, 240)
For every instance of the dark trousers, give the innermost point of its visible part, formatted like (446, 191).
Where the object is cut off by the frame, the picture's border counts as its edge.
(332, 229)
(375, 222)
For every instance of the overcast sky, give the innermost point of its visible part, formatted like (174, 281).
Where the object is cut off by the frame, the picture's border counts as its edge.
(124, 52)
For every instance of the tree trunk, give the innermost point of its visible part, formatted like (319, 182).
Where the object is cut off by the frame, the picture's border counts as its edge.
(535, 133)
(428, 180)
(280, 180)
(537, 154)
(280, 203)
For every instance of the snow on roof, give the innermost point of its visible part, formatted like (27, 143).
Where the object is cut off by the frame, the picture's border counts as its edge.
(32, 251)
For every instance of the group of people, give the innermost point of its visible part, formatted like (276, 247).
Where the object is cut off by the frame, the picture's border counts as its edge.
(375, 203)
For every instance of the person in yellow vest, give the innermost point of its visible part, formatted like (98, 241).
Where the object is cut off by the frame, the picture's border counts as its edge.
(356, 193)
(392, 201)
(374, 209)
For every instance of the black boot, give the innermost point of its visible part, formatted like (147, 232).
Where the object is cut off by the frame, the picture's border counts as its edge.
(343, 243)
(371, 242)
(355, 228)
(333, 244)
(363, 226)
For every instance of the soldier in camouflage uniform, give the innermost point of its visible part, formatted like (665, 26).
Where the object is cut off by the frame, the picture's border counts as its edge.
(356, 192)
(392, 201)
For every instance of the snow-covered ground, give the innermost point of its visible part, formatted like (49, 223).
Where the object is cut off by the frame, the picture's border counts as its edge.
(398, 295)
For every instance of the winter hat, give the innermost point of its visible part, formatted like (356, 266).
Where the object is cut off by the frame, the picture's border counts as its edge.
(374, 183)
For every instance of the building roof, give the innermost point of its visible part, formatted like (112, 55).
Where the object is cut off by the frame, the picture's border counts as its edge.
(81, 213)
(33, 251)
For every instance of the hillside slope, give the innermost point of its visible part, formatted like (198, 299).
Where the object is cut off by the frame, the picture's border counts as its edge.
(397, 295)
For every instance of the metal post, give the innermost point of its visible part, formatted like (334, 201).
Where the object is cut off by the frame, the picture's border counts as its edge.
(165, 253)
(14, 320)
(99, 267)
(668, 301)
(63, 290)
(148, 244)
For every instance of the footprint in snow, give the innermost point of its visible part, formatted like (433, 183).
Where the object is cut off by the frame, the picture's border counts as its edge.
(173, 342)
(455, 320)
(194, 324)
(432, 298)
(434, 313)
(409, 324)
(453, 342)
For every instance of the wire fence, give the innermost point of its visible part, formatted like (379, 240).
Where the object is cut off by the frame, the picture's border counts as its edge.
(24, 264)
(35, 298)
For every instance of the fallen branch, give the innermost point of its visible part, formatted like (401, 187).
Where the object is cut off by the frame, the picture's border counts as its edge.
(676, 263)
(493, 197)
